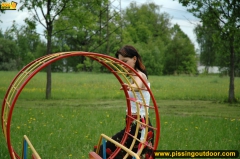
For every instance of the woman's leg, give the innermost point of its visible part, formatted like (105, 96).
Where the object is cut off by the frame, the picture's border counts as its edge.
(147, 152)
(110, 147)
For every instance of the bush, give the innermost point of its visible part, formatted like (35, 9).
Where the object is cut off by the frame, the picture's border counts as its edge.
(96, 67)
(9, 66)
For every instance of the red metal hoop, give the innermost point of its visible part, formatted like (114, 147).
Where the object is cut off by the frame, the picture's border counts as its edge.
(29, 71)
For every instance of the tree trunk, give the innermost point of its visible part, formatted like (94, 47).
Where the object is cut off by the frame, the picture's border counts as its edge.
(107, 29)
(49, 51)
(231, 95)
(49, 82)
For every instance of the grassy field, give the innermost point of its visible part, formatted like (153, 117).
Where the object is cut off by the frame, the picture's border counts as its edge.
(84, 105)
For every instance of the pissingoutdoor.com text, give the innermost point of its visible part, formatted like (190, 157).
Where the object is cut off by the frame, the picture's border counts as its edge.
(196, 153)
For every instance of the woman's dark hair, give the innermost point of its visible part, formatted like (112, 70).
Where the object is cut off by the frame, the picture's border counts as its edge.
(130, 51)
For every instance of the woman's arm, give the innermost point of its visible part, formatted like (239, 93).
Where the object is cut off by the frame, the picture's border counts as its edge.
(137, 82)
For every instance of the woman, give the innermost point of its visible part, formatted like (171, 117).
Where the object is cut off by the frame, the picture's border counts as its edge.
(131, 57)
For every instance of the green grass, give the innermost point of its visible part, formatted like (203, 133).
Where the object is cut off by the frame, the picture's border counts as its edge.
(84, 105)
(64, 131)
(105, 86)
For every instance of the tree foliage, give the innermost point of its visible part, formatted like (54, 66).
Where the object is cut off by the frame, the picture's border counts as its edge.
(152, 33)
(92, 26)
(208, 52)
(8, 54)
(27, 41)
(49, 10)
(221, 16)
(180, 54)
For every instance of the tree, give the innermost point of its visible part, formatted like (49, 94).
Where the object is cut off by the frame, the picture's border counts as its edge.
(208, 52)
(26, 40)
(227, 14)
(144, 23)
(180, 54)
(8, 55)
(50, 10)
(149, 31)
(95, 26)
(81, 18)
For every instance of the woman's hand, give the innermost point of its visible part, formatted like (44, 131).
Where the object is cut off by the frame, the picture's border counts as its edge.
(126, 86)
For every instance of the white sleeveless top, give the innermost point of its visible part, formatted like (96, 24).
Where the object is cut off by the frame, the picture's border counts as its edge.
(139, 99)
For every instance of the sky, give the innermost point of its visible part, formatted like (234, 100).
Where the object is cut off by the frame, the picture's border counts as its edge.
(177, 12)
